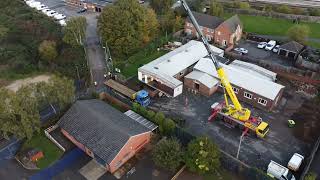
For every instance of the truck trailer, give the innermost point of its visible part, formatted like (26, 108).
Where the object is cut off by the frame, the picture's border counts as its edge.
(141, 97)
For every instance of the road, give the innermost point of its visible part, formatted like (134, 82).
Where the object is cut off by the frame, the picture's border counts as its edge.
(95, 53)
(298, 3)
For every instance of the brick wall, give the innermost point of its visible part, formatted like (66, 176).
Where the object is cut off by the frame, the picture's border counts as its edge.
(203, 90)
(189, 28)
(134, 144)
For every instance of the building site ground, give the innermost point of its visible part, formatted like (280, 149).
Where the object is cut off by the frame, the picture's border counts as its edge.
(281, 141)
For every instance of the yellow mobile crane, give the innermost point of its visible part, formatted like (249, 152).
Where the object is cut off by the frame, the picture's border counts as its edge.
(235, 114)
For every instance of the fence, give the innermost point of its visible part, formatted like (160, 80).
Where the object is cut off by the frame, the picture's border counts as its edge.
(47, 133)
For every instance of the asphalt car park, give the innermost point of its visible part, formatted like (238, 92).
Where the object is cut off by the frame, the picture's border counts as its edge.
(62, 8)
(267, 55)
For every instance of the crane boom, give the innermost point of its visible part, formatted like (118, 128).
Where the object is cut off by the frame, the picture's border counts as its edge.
(236, 111)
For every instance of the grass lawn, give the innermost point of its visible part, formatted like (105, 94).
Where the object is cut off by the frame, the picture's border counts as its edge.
(273, 26)
(51, 151)
(314, 44)
(223, 174)
(139, 59)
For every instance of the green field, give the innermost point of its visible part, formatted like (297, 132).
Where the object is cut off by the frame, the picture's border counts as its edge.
(51, 151)
(272, 26)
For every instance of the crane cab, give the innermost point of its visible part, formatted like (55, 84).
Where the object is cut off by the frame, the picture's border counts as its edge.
(262, 129)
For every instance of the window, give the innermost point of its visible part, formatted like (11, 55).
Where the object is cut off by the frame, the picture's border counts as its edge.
(208, 38)
(248, 95)
(262, 101)
(219, 33)
(236, 90)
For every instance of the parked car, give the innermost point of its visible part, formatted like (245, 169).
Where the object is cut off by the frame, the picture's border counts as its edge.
(62, 22)
(29, 2)
(51, 13)
(241, 50)
(34, 4)
(262, 45)
(141, 2)
(41, 7)
(59, 16)
(276, 48)
(82, 10)
(295, 162)
(271, 44)
(45, 10)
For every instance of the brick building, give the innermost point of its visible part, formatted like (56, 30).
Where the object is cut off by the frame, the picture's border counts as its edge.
(248, 86)
(166, 72)
(229, 32)
(225, 33)
(104, 133)
(207, 23)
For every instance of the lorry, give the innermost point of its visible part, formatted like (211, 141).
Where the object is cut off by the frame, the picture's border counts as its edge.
(278, 171)
(295, 162)
(141, 97)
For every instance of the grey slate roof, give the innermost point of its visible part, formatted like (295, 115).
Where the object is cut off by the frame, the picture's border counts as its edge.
(233, 23)
(206, 20)
(292, 46)
(100, 127)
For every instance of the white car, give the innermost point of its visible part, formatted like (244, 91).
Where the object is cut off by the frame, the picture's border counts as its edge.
(45, 10)
(51, 13)
(241, 50)
(59, 16)
(271, 44)
(262, 45)
(34, 4)
(62, 22)
(276, 48)
(29, 2)
(41, 7)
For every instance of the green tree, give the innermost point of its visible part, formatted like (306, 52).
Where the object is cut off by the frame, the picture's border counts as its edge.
(197, 5)
(298, 11)
(48, 50)
(216, 9)
(161, 6)
(127, 26)
(310, 176)
(167, 127)
(284, 9)
(168, 154)
(159, 118)
(3, 31)
(299, 33)
(268, 8)
(75, 31)
(314, 11)
(170, 23)
(202, 156)
(19, 113)
(243, 5)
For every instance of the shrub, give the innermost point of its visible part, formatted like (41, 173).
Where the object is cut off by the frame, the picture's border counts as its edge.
(159, 118)
(310, 176)
(151, 115)
(202, 156)
(168, 154)
(284, 9)
(244, 5)
(314, 12)
(167, 127)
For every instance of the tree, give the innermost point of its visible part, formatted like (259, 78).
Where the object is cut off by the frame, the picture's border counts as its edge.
(168, 154)
(197, 5)
(299, 33)
(19, 113)
(159, 118)
(167, 127)
(310, 176)
(202, 156)
(216, 9)
(161, 6)
(314, 11)
(74, 31)
(243, 5)
(48, 50)
(170, 23)
(3, 31)
(268, 8)
(127, 26)
(297, 10)
(284, 9)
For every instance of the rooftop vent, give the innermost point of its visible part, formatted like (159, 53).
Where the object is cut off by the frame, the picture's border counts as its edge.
(156, 67)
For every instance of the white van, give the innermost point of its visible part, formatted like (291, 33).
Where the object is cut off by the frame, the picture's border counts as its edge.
(271, 44)
(278, 171)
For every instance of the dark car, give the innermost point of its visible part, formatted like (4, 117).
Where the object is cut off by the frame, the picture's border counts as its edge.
(82, 10)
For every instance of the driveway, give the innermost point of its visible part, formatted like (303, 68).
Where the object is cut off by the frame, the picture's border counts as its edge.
(11, 169)
(95, 53)
(256, 53)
